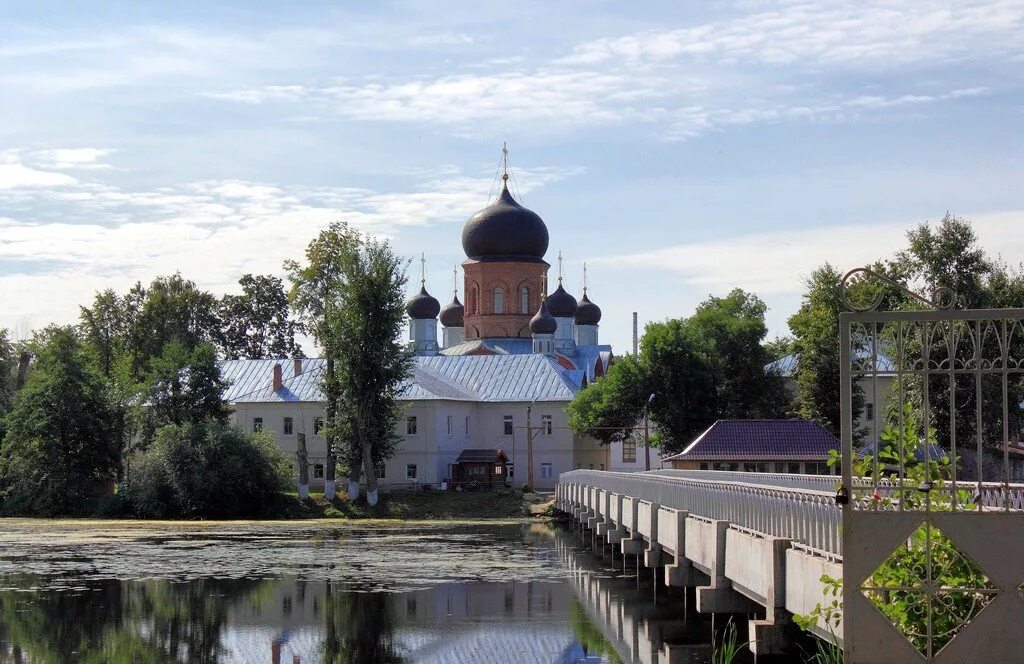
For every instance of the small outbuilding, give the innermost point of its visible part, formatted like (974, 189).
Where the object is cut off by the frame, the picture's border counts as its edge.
(780, 446)
(480, 469)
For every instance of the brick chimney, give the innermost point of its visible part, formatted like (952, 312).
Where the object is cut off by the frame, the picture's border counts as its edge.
(277, 377)
(298, 366)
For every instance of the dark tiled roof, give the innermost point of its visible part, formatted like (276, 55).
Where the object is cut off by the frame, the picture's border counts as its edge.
(760, 440)
(481, 456)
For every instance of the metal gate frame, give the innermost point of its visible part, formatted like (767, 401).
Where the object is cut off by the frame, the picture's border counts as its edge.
(885, 509)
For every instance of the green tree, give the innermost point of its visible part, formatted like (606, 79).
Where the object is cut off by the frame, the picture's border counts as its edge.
(256, 323)
(8, 376)
(58, 449)
(351, 292)
(175, 309)
(184, 387)
(207, 468)
(699, 369)
(816, 328)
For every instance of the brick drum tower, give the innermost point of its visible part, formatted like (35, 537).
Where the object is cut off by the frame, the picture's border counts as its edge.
(505, 271)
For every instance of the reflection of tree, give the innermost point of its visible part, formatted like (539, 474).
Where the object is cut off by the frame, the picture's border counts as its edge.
(358, 628)
(119, 623)
(589, 636)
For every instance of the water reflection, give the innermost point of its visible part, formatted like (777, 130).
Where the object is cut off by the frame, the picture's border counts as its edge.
(563, 605)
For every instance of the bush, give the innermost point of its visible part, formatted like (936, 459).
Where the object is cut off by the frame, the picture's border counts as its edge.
(527, 488)
(209, 469)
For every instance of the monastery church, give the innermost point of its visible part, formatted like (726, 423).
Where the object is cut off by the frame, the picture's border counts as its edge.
(508, 362)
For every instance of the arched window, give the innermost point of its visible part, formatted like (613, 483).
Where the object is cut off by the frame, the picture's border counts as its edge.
(471, 302)
(499, 300)
(524, 300)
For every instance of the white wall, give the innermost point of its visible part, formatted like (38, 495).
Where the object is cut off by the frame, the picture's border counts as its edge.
(432, 450)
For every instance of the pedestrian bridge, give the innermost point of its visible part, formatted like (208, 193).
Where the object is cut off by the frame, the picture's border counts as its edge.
(747, 542)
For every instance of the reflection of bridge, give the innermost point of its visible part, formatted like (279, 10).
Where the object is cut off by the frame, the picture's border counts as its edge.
(636, 628)
(748, 542)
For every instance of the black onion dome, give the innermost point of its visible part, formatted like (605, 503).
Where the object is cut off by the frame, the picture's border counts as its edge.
(423, 305)
(587, 313)
(505, 229)
(561, 304)
(543, 322)
(451, 315)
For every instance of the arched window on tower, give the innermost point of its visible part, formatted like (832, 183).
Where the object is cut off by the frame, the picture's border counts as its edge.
(471, 302)
(499, 300)
(524, 300)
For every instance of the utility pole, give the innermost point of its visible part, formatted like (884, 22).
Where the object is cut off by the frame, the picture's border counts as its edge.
(529, 444)
(647, 433)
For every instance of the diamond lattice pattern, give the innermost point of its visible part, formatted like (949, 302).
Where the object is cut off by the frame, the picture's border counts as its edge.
(929, 590)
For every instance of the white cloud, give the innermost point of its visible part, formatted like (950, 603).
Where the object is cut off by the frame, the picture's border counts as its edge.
(67, 158)
(212, 231)
(777, 262)
(829, 32)
(14, 176)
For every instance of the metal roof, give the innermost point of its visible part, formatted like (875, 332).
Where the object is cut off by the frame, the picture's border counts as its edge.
(483, 378)
(761, 440)
(481, 456)
(786, 366)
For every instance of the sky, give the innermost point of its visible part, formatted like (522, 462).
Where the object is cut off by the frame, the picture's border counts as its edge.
(679, 149)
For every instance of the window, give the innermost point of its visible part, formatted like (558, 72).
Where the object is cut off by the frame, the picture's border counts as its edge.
(289, 426)
(381, 471)
(815, 468)
(471, 302)
(257, 424)
(449, 426)
(318, 471)
(410, 471)
(410, 425)
(545, 424)
(524, 300)
(499, 300)
(499, 469)
(792, 467)
(629, 451)
(704, 466)
(869, 411)
(507, 420)
(467, 425)
(318, 425)
(545, 471)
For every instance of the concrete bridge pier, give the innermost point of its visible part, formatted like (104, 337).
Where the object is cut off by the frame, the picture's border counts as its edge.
(705, 547)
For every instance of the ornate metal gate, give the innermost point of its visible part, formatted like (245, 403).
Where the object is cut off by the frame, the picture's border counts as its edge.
(933, 524)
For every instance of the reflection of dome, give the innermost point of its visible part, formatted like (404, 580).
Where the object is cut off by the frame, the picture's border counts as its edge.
(423, 305)
(543, 322)
(587, 313)
(505, 229)
(561, 304)
(451, 315)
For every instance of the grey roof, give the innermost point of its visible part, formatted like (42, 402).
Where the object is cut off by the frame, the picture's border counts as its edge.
(761, 440)
(487, 378)
(786, 366)
(481, 456)
(498, 345)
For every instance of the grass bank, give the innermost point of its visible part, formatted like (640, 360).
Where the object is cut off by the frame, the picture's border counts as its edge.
(431, 505)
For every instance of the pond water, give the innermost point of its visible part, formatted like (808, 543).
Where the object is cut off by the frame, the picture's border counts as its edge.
(290, 593)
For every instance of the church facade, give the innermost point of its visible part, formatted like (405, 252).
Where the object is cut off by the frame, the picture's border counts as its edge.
(506, 364)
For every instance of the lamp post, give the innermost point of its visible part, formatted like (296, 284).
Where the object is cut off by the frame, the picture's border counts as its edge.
(647, 434)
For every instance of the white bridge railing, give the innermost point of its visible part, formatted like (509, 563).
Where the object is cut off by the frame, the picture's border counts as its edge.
(809, 517)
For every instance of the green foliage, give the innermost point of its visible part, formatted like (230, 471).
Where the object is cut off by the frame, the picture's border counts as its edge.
(816, 328)
(725, 646)
(183, 386)
(207, 469)
(700, 369)
(58, 450)
(350, 296)
(8, 370)
(256, 324)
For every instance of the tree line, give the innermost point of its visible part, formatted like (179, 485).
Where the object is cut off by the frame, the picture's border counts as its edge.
(715, 364)
(133, 395)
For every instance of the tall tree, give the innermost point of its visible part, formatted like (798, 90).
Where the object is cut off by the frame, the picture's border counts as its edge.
(184, 387)
(350, 294)
(699, 369)
(175, 309)
(58, 448)
(8, 376)
(256, 324)
(816, 328)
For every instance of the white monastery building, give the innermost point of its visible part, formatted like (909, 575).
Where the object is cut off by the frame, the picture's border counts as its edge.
(506, 365)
